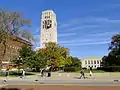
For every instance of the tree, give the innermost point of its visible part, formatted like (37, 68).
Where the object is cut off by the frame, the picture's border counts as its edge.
(57, 55)
(37, 61)
(25, 55)
(60, 62)
(30, 58)
(18, 62)
(113, 58)
(12, 23)
(104, 61)
(75, 62)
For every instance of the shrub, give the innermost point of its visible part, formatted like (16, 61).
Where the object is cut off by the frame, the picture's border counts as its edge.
(110, 68)
(71, 69)
(84, 68)
(15, 73)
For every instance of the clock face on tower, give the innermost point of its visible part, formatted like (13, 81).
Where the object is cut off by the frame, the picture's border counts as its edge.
(47, 24)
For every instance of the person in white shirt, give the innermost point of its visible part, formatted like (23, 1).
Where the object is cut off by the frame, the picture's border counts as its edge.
(23, 73)
(90, 73)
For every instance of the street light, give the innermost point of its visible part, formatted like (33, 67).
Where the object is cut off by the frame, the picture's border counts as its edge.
(19, 63)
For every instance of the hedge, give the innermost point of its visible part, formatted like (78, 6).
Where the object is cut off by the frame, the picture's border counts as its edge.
(71, 69)
(110, 68)
(15, 73)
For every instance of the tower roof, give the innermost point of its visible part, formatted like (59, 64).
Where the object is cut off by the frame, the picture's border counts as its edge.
(48, 11)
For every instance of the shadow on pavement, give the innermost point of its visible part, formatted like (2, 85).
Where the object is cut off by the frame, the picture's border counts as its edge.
(9, 89)
(15, 89)
(79, 77)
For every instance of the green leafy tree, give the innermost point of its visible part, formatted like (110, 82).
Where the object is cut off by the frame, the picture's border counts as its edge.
(60, 62)
(57, 55)
(37, 61)
(12, 23)
(30, 59)
(113, 58)
(18, 62)
(75, 62)
(25, 55)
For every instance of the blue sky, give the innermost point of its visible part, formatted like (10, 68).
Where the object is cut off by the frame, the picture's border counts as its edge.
(84, 26)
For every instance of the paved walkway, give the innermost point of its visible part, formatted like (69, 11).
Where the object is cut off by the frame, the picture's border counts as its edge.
(74, 76)
(98, 79)
(71, 76)
(60, 87)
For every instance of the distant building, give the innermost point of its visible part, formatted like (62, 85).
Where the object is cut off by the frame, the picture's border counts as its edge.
(12, 46)
(91, 62)
(48, 28)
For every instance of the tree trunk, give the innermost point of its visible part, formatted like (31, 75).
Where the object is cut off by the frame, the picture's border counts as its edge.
(3, 53)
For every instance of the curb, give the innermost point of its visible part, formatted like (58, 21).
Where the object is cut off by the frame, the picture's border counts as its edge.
(2, 85)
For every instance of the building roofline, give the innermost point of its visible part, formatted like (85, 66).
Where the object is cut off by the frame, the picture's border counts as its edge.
(48, 11)
(91, 57)
(15, 37)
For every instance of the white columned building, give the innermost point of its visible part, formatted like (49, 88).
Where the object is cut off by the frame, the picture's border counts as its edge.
(93, 62)
(48, 28)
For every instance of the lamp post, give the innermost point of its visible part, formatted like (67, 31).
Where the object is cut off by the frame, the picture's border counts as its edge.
(19, 63)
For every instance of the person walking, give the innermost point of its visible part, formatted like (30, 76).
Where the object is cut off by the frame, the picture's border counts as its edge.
(23, 73)
(6, 75)
(82, 74)
(90, 73)
(49, 72)
(42, 72)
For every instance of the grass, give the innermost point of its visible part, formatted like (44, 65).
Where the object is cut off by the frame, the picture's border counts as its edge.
(34, 72)
(94, 71)
(16, 73)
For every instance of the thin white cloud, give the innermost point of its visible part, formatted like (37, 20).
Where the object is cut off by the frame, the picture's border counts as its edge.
(83, 24)
(69, 23)
(67, 41)
(117, 5)
(84, 40)
(66, 34)
(104, 34)
(36, 37)
(107, 20)
(106, 7)
(82, 27)
(76, 41)
(65, 25)
(90, 22)
(89, 43)
(37, 30)
(36, 48)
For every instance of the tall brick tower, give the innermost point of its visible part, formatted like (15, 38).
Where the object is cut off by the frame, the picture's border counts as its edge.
(48, 28)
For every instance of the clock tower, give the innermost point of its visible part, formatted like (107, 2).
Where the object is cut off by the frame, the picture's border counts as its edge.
(48, 28)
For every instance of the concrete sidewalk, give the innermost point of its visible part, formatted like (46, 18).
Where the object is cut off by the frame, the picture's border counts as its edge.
(75, 76)
(71, 76)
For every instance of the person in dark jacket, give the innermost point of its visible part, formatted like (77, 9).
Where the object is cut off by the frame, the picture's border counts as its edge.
(82, 74)
(6, 75)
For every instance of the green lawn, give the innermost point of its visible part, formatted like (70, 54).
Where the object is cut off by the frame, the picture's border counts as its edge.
(16, 73)
(94, 71)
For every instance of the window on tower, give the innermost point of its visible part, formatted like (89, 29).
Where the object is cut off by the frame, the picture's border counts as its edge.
(43, 26)
(47, 24)
(94, 62)
(54, 24)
